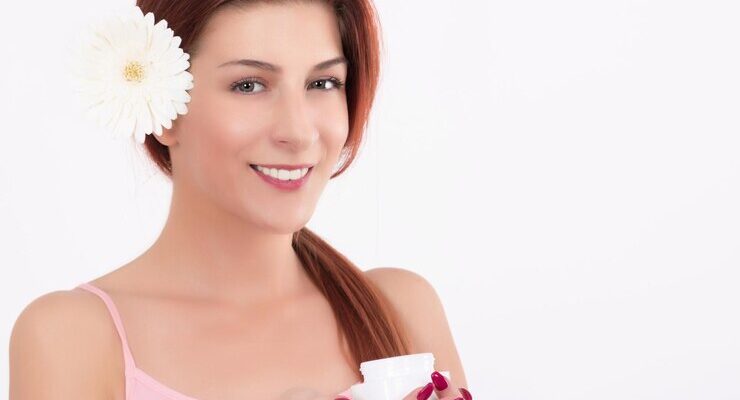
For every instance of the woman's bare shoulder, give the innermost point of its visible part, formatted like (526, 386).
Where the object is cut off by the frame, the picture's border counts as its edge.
(65, 338)
(63, 310)
(391, 275)
(423, 315)
(409, 292)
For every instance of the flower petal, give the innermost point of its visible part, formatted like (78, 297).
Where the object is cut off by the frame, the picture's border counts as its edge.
(181, 108)
(131, 108)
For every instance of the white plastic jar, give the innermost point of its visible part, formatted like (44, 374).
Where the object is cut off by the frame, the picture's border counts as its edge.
(394, 377)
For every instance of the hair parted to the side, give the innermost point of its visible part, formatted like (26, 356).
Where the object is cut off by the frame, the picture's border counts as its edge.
(366, 320)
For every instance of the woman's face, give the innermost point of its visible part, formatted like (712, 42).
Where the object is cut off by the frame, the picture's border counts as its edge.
(292, 115)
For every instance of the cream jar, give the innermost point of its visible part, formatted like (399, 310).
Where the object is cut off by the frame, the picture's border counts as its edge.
(394, 377)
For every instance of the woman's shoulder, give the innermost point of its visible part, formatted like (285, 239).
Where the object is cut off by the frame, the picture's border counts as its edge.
(64, 317)
(61, 312)
(411, 295)
(67, 336)
(393, 278)
(422, 314)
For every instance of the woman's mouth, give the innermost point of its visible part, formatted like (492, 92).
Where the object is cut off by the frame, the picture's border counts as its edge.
(286, 179)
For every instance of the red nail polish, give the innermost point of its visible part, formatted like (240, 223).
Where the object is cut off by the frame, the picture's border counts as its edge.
(466, 394)
(426, 392)
(439, 381)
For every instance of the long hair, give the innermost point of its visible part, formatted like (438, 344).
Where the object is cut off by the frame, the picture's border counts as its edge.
(365, 318)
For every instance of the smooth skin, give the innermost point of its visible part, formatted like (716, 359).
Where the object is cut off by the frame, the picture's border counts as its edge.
(219, 306)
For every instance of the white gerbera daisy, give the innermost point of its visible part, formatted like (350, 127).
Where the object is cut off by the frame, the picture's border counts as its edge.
(131, 74)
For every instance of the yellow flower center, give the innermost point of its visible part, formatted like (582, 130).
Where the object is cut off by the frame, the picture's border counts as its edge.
(133, 71)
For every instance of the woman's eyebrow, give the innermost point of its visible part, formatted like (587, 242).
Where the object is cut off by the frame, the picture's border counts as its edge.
(274, 68)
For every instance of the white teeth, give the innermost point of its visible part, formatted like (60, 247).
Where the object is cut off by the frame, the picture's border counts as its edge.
(295, 174)
(283, 174)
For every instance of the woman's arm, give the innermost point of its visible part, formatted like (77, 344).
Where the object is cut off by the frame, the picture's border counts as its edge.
(58, 350)
(423, 317)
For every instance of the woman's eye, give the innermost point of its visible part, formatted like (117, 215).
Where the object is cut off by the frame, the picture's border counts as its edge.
(247, 85)
(334, 83)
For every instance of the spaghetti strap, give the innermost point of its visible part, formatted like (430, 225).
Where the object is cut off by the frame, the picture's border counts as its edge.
(128, 359)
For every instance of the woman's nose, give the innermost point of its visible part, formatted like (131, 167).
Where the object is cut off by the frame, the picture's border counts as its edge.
(295, 127)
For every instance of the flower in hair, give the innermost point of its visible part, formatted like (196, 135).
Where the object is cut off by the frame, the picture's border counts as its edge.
(131, 74)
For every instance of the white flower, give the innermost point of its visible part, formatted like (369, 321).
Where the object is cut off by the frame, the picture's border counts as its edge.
(131, 74)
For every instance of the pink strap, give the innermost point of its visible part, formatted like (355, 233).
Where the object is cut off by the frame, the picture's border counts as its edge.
(128, 359)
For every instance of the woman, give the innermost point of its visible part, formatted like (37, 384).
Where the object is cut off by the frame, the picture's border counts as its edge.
(236, 298)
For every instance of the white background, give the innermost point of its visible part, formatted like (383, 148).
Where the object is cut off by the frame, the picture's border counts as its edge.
(566, 174)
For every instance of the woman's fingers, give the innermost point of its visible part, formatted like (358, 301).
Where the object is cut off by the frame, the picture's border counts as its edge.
(443, 388)
(466, 394)
(420, 393)
(439, 385)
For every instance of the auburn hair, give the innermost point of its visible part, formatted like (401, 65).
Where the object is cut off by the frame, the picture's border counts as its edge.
(367, 323)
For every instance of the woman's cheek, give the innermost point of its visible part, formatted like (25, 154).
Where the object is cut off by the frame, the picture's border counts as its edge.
(231, 127)
(337, 131)
(329, 114)
(215, 147)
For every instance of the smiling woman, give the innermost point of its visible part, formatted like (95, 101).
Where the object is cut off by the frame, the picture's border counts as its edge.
(237, 298)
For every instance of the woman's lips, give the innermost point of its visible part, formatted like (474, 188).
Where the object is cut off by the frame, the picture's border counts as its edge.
(280, 184)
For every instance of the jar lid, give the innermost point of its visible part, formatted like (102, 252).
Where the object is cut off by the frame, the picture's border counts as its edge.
(391, 367)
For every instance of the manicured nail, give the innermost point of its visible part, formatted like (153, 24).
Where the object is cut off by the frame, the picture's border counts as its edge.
(439, 381)
(426, 392)
(466, 394)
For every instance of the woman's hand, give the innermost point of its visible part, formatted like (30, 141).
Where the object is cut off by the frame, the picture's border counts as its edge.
(439, 385)
(443, 389)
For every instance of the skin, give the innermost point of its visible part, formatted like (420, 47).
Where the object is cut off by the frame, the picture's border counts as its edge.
(221, 286)
(226, 245)
(228, 234)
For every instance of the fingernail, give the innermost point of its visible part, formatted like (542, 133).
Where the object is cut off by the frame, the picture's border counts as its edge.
(439, 381)
(466, 394)
(426, 392)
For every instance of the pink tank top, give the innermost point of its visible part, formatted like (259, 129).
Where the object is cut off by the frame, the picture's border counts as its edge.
(140, 385)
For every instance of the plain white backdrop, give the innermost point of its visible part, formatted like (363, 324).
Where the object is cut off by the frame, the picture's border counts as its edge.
(566, 174)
